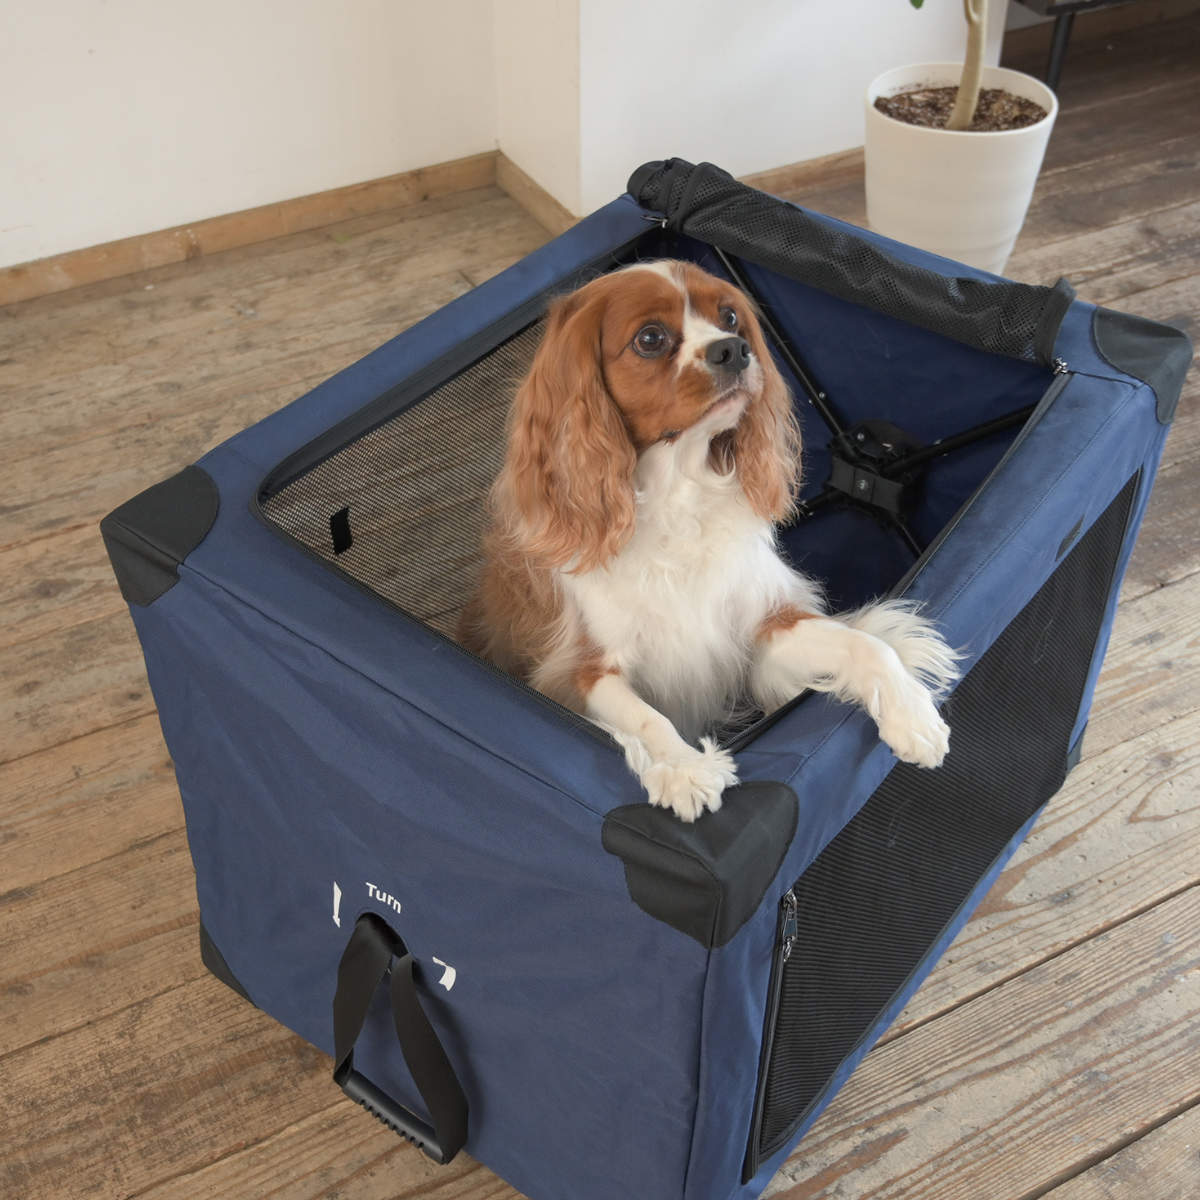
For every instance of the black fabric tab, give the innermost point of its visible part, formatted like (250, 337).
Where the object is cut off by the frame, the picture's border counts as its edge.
(339, 531)
(1069, 540)
(705, 879)
(149, 536)
(1156, 354)
(214, 960)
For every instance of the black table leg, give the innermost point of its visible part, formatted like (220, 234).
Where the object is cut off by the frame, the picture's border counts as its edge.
(1058, 48)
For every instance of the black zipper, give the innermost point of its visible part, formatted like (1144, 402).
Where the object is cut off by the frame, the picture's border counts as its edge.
(786, 929)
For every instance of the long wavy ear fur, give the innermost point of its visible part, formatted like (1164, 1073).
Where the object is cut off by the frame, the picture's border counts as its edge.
(766, 443)
(565, 491)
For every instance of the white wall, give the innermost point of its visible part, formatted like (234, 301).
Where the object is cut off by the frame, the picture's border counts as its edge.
(537, 92)
(747, 86)
(118, 117)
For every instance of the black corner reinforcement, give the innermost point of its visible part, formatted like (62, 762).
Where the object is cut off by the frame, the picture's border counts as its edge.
(214, 960)
(149, 536)
(1157, 354)
(705, 879)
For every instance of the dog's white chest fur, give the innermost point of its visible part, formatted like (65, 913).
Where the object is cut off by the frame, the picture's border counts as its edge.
(677, 609)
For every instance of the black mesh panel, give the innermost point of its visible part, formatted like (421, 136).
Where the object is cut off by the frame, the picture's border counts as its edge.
(402, 508)
(876, 900)
(1001, 317)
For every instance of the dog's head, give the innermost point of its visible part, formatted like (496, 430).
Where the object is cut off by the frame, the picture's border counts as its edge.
(655, 356)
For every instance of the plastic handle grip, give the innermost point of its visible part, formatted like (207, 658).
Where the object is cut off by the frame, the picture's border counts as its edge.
(393, 1114)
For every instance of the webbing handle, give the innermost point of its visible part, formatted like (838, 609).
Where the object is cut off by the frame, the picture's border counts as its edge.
(373, 951)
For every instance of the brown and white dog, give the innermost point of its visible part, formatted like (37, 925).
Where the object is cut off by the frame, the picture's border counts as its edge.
(631, 571)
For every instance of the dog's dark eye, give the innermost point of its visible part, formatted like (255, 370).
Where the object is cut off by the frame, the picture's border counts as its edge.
(650, 341)
(727, 317)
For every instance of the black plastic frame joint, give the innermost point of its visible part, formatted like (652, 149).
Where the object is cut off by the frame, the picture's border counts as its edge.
(148, 537)
(214, 960)
(1157, 354)
(707, 878)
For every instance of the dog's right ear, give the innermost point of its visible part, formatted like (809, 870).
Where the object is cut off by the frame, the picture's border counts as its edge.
(568, 473)
(766, 443)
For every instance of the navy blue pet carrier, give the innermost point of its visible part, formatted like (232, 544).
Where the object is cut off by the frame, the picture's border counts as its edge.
(452, 885)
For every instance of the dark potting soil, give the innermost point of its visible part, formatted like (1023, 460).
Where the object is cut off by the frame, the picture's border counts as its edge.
(997, 109)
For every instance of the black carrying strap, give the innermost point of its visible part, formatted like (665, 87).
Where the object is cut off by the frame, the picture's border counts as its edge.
(372, 950)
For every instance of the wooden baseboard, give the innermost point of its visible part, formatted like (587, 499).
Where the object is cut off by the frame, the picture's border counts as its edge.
(532, 197)
(845, 166)
(95, 263)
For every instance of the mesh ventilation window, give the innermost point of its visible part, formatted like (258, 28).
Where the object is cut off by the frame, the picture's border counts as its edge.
(879, 896)
(401, 509)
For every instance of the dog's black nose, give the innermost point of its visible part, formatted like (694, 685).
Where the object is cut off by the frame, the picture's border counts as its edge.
(730, 355)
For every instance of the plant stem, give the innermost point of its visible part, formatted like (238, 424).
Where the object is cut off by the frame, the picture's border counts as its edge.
(972, 76)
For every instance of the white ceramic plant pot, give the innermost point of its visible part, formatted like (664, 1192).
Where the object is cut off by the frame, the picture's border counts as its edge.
(963, 195)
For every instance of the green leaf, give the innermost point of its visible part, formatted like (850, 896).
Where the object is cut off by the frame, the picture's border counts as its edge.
(916, 3)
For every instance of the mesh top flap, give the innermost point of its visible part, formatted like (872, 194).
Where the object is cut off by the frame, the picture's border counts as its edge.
(1001, 317)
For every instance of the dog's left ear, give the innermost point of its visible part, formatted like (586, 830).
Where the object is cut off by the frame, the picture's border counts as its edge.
(766, 442)
(569, 468)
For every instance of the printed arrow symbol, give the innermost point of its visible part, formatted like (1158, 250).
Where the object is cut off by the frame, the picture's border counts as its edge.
(449, 975)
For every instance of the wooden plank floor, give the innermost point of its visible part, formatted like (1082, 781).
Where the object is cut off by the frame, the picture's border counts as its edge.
(1054, 1052)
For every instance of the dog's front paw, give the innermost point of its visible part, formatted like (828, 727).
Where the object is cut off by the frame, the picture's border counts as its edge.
(911, 726)
(692, 781)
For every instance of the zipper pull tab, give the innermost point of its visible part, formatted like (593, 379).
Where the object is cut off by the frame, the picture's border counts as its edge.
(1060, 366)
(791, 924)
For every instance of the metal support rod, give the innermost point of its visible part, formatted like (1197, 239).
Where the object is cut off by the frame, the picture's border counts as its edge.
(945, 445)
(817, 397)
(806, 508)
(828, 414)
(903, 530)
(810, 507)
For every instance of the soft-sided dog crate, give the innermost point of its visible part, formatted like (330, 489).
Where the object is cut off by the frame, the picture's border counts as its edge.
(604, 1002)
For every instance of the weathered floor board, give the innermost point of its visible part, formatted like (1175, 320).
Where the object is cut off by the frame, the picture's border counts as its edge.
(1125, 258)
(62, 944)
(224, 1069)
(1163, 1165)
(1051, 1053)
(334, 1152)
(1004, 1094)
(86, 800)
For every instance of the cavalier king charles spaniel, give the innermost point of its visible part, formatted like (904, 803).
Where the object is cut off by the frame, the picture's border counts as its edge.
(631, 570)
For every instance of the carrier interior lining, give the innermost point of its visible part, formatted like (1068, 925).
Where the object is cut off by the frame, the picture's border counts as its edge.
(402, 507)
